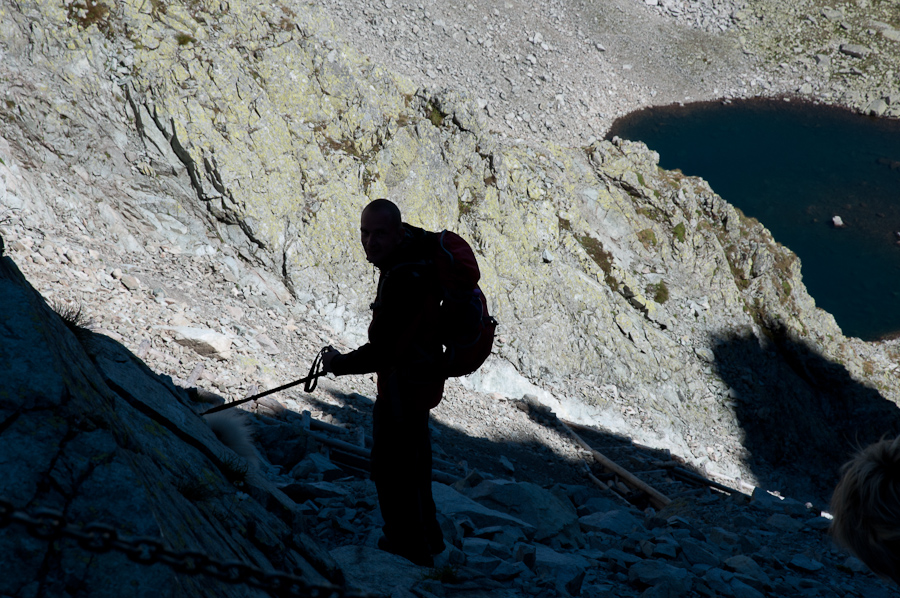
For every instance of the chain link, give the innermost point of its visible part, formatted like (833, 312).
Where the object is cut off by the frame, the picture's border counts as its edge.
(49, 524)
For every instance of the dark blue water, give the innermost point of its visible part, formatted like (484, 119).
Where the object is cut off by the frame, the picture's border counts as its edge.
(793, 167)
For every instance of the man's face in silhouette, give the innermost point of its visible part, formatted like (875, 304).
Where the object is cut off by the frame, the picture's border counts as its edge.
(380, 235)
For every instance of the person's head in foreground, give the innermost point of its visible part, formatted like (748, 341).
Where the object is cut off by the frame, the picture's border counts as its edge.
(380, 230)
(866, 508)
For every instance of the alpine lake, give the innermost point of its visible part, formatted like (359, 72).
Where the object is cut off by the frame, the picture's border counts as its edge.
(794, 166)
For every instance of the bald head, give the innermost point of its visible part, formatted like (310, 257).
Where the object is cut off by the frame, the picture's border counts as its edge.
(388, 209)
(380, 230)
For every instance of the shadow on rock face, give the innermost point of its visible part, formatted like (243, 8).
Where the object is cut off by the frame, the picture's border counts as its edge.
(803, 416)
(90, 431)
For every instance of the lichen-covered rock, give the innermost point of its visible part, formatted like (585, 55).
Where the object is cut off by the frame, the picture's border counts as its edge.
(665, 314)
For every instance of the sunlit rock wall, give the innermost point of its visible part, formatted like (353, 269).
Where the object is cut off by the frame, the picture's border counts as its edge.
(614, 281)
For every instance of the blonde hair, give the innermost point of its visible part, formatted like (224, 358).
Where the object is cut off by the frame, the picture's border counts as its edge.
(866, 507)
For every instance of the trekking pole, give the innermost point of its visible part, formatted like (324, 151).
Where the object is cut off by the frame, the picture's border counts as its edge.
(310, 383)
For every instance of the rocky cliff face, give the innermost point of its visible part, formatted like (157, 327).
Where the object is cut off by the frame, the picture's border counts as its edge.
(247, 134)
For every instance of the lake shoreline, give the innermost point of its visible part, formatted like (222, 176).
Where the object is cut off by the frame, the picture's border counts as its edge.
(818, 177)
(562, 72)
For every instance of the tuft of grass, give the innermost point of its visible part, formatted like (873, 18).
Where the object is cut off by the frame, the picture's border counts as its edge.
(784, 260)
(74, 319)
(329, 144)
(158, 7)
(435, 115)
(601, 257)
(184, 39)
(89, 12)
(235, 469)
(659, 291)
(651, 212)
(679, 232)
(647, 238)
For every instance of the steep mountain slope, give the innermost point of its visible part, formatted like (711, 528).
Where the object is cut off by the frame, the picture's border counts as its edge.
(247, 135)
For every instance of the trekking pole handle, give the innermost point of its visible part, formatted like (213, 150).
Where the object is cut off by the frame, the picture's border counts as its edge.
(317, 369)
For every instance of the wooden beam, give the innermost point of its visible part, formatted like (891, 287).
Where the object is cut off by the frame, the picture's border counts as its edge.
(657, 498)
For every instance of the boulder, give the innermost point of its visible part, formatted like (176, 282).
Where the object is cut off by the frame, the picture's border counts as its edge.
(666, 550)
(855, 50)
(457, 506)
(482, 547)
(506, 571)
(747, 567)
(553, 519)
(503, 534)
(805, 563)
(203, 341)
(739, 589)
(567, 571)
(621, 523)
(784, 523)
(525, 553)
(876, 107)
(722, 537)
(620, 559)
(817, 523)
(376, 571)
(484, 565)
(597, 505)
(319, 464)
(719, 580)
(656, 573)
(699, 553)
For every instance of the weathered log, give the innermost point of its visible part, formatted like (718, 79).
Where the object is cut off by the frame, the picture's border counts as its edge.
(657, 498)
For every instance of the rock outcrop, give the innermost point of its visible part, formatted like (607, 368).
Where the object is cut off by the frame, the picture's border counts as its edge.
(91, 433)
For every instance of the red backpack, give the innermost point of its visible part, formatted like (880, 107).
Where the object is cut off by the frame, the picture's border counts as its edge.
(467, 329)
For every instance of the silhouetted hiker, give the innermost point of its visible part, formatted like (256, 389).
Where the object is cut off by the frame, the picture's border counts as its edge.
(866, 508)
(405, 351)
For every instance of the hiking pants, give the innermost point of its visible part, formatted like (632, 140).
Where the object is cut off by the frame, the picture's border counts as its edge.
(401, 470)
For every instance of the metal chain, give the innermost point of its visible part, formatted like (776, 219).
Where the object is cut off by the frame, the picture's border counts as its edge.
(50, 524)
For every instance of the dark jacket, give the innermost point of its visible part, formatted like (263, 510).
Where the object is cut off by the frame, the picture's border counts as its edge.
(404, 346)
